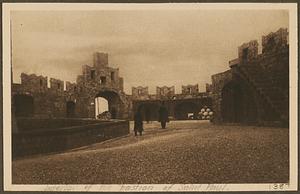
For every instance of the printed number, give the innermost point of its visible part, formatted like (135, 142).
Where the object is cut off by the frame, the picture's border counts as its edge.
(280, 186)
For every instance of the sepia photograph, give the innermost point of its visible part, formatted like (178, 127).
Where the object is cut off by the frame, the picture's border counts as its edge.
(150, 97)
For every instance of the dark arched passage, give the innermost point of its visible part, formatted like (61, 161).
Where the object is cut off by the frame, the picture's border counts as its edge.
(238, 104)
(114, 102)
(149, 111)
(182, 110)
(23, 105)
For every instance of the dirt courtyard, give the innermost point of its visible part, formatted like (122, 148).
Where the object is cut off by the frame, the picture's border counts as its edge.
(186, 152)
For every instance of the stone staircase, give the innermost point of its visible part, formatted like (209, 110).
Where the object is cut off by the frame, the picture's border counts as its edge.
(267, 89)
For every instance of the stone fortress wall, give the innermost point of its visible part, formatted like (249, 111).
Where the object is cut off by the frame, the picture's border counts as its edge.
(62, 99)
(256, 87)
(254, 90)
(74, 99)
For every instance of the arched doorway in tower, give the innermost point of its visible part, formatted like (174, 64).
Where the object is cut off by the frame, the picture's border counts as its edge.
(183, 110)
(108, 101)
(23, 105)
(238, 104)
(70, 109)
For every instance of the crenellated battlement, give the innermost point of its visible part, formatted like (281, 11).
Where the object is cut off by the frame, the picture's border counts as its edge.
(140, 91)
(275, 41)
(190, 89)
(42, 84)
(165, 92)
(272, 43)
(56, 84)
(248, 51)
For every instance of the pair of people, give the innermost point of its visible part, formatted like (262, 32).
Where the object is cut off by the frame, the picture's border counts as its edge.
(138, 119)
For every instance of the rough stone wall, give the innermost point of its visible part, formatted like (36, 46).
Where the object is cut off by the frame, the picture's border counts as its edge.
(275, 41)
(248, 51)
(56, 85)
(190, 89)
(218, 82)
(47, 102)
(71, 87)
(34, 83)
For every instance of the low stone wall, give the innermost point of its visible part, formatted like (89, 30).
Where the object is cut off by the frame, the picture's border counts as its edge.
(39, 124)
(38, 141)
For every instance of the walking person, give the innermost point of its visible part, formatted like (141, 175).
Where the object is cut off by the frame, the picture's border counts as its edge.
(138, 123)
(163, 115)
(147, 115)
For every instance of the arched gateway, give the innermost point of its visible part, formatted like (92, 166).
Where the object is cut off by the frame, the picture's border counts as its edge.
(114, 102)
(100, 80)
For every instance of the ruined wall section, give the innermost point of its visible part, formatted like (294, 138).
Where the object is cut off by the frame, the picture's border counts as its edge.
(140, 93)
(95, 81)
(165, 92)
(190, 89)
(248, 51)
(56, 85)
(275, 41)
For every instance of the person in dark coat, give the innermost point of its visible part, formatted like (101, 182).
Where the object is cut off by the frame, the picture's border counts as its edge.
(138, 122)
(163, 115)
(147, 115)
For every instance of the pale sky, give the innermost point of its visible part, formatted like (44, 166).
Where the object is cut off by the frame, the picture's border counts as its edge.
(151, 47)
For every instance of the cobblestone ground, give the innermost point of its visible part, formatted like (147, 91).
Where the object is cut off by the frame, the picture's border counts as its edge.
(186, 152)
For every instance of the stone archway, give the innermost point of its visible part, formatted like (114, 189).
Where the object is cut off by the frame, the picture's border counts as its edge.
(114, 103)
(182, 110)
(232, 102)
(23, 105)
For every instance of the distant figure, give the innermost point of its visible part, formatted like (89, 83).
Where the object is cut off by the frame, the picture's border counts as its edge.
(147, 115)
(163, 115)
(138, 122)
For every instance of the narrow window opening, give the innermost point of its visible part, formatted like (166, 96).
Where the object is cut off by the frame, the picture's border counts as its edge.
(112, 76)
(92, 74)
(102, 80)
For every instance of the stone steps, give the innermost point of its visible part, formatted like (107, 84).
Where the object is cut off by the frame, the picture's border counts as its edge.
(266, 87)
